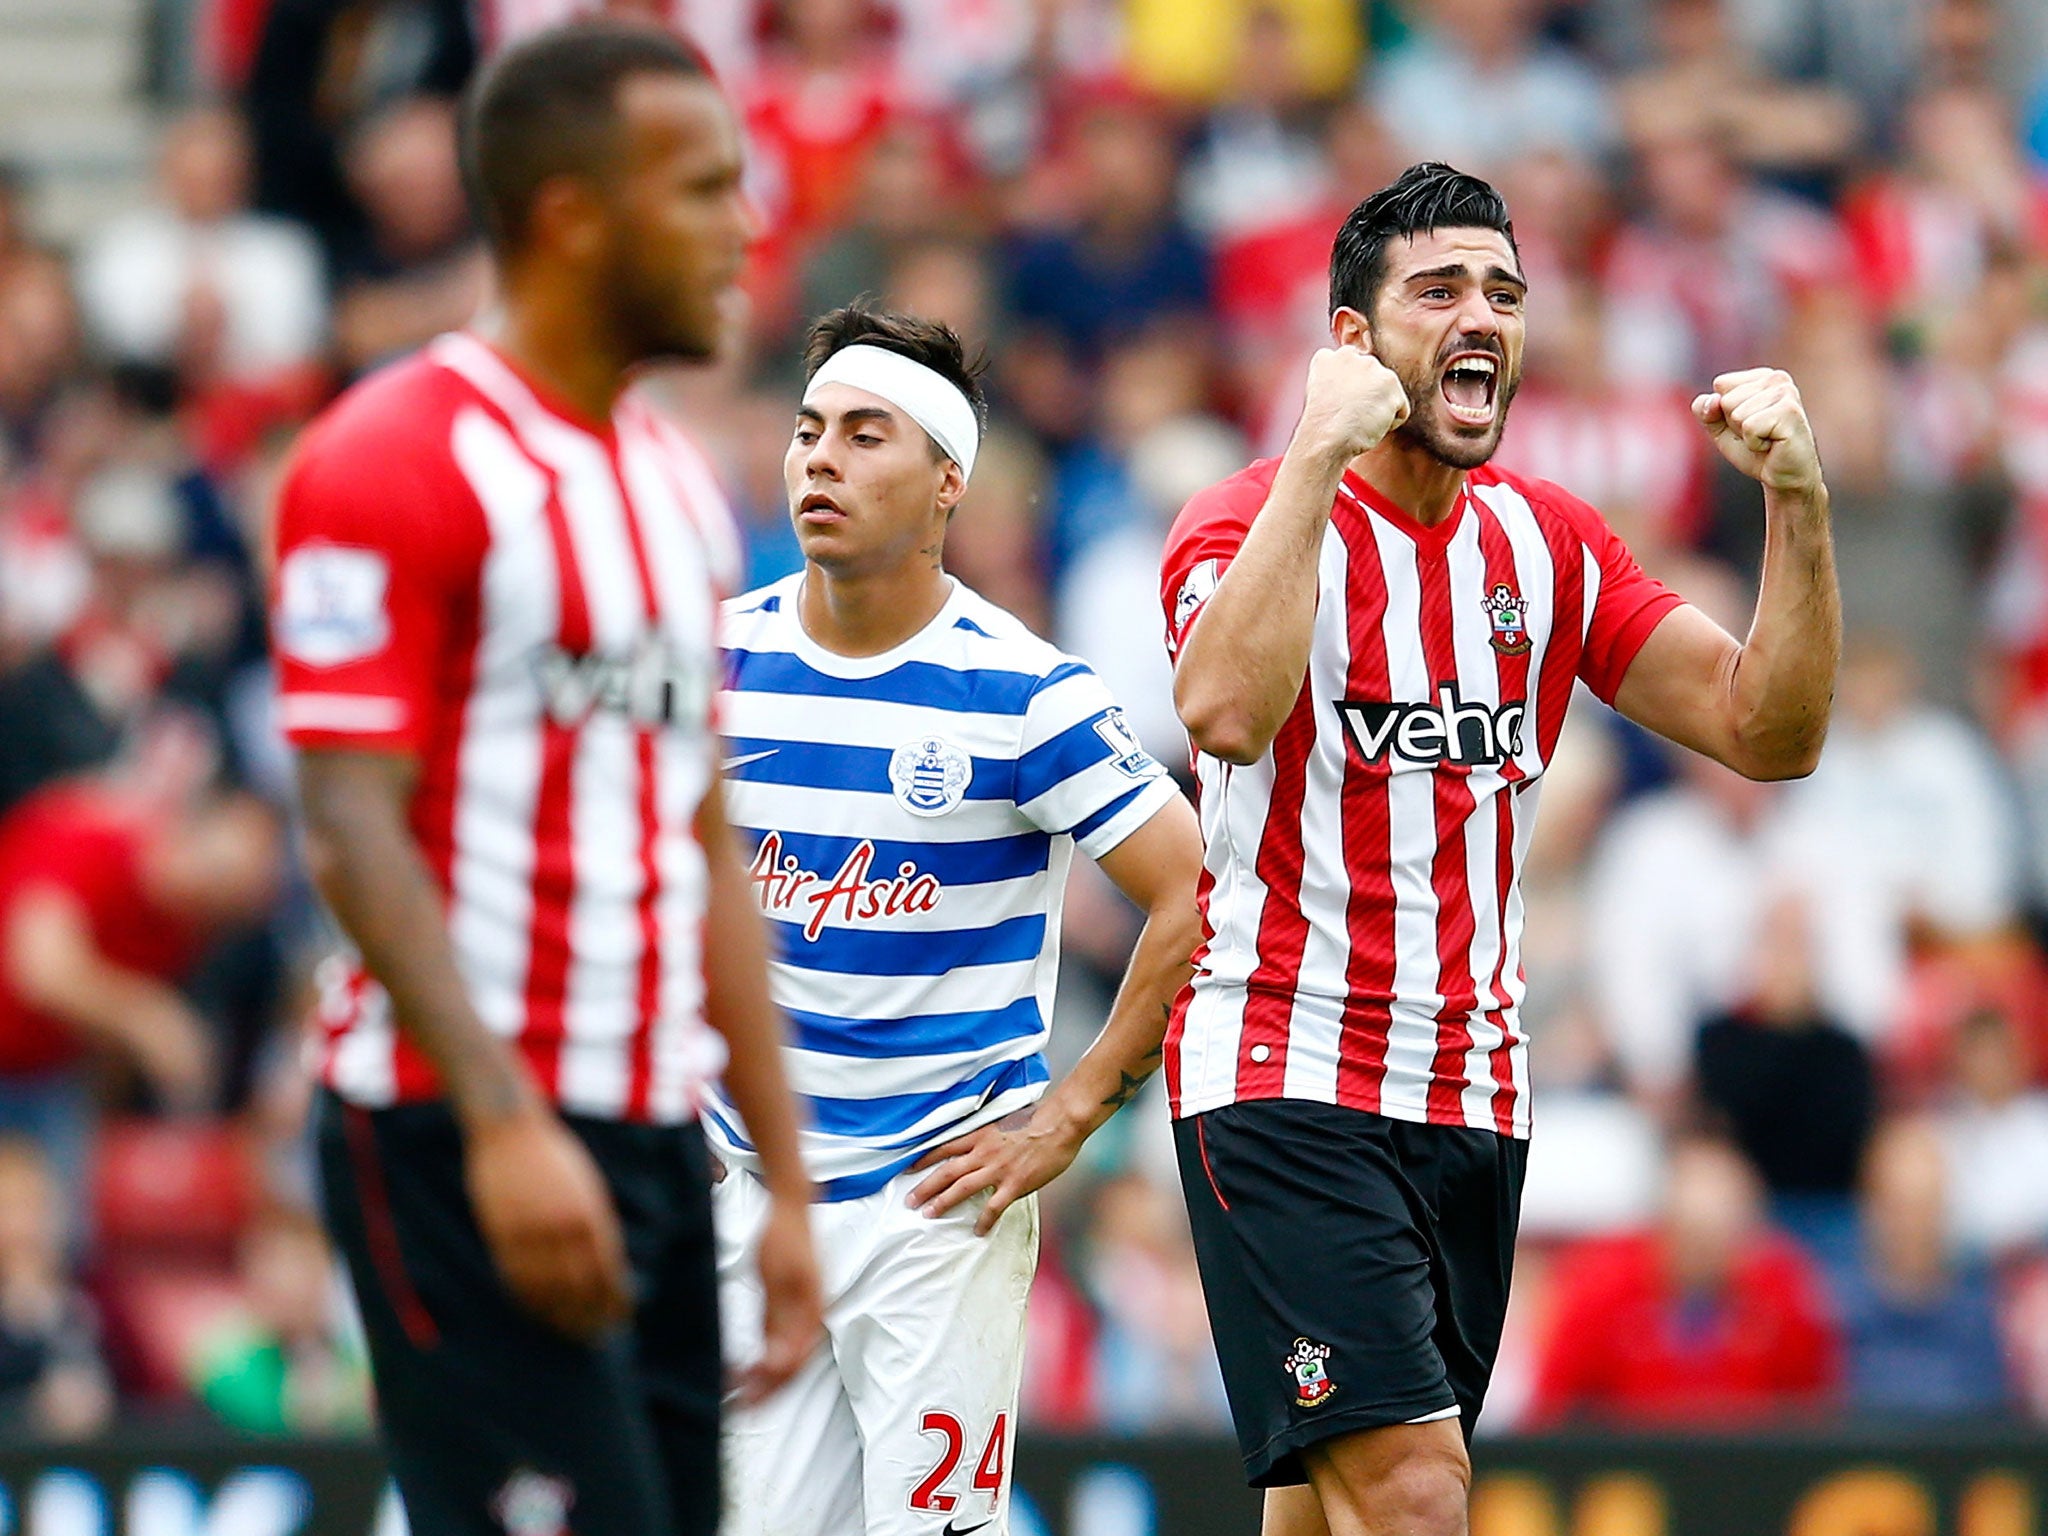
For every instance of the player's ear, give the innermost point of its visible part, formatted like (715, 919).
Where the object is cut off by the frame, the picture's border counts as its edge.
(566, 217)
(952, 486)
(1349, 328)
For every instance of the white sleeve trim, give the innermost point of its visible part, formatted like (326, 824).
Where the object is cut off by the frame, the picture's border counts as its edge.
(347, 712)
(1151, 799)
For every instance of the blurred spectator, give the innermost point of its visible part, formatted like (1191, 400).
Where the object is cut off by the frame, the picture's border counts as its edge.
(150, 628)
(1103, 610)
(1712, 1319)
(107, 899)
(1147, 381)
(322, 69)
(53, 1382)
(1121, 259)
(1794, 1088)
(826, 90)
(1005, 69)
(1995, 1126)
(1923, 229)
(1194, 49)
(1920, 1330)
(1155, 1367)
(905, 200)
(1921, 794)
(1257, 158)
(1476, 85)
(194, 280)
(418, 270)
(726, 30)
(1677, 894)
(1701, 282)
(286, 1362)
(1699, 58)
(39, 339)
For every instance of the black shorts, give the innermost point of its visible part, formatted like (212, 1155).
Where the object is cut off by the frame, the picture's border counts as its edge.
(1355, 1267)
(492, 1420)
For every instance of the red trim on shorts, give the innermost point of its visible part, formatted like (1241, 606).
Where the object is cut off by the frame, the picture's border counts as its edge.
(380, 1231)
(1202, 1146)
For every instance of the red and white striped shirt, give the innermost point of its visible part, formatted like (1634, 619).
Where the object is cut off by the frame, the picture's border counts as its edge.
(524, 602)
(1361, 892)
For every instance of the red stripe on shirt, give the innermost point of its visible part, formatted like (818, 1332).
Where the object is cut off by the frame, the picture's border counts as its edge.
(641, 1067)
(1368, 830)
(554, 852)
(1451, 787)
(1283, 930)
(1177, 1016)
(1512, 671)
(1567, 629)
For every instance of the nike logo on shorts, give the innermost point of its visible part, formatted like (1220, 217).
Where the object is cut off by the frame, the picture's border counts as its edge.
(740, 762)
(963, 1530)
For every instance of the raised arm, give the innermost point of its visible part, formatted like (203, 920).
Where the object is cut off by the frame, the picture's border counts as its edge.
(1156, 866)
(56, 964)
(1759, 705)
(540, 1201)
(1242, 663)
(738, 1006)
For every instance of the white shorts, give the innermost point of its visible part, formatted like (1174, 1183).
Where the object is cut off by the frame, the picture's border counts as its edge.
(903, 1422)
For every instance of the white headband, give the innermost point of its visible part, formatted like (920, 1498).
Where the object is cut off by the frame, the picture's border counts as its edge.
(925, 395)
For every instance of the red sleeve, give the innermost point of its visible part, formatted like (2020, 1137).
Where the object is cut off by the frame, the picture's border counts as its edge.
(379, 549)
(1809, 1352)
(1627, 606)
(1205, 539)
(1570, 1358)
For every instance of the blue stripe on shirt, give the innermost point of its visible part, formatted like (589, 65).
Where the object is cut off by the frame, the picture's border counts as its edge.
(894, 1114)
(874, 952)
(924, 1034)
(1051, 763)
(912, 682)
(834, 765)
(1086, 827)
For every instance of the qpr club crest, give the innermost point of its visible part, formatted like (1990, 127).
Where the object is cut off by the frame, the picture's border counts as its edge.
(1312, 1384)
(1504, 613)
(929, 776)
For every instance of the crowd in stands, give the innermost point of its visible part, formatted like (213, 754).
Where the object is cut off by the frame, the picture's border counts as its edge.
(1791, 1041)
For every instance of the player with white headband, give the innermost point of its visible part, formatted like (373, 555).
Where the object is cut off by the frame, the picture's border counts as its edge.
(914, 768)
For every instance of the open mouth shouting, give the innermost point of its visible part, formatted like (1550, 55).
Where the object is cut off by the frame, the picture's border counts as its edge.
(1470, 385)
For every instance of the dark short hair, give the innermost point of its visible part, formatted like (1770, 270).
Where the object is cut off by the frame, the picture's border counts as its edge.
(548, 106)
(1425, 197)
(931, 342)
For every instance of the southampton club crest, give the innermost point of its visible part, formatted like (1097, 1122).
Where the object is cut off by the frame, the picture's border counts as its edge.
(929, 776)
(1312, 1384)
(1504, 613)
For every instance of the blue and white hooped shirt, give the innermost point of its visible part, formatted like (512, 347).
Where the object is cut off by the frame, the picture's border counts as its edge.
(910, 819)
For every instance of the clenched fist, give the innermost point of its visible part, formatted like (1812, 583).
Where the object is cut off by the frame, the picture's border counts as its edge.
(1757, 420)
(1353, 400)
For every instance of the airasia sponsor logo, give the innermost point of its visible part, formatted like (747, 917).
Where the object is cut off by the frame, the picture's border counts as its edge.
(788, 891)
(1449, 730)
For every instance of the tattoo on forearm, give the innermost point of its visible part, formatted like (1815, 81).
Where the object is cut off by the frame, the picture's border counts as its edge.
(1127, 1088)
(1128, 1083)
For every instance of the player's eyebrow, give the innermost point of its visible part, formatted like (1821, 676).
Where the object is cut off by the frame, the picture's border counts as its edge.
(854, 416)
(1494, 274)
(861, 413)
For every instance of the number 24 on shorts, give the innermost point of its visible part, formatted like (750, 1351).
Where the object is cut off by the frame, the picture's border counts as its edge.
(928, 1495)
